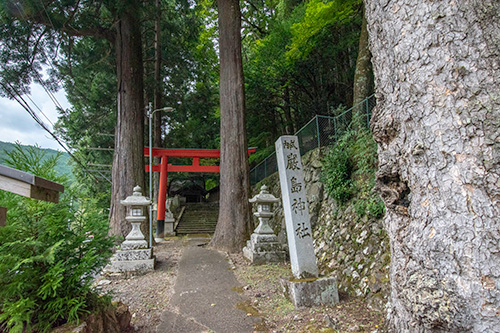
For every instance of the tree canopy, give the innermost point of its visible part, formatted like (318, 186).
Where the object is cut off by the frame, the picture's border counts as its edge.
(299, 59)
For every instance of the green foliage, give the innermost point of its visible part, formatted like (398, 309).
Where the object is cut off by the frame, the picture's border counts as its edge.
(49, 253)
(260, 154)
(338, 168)
(62, 168)
(371, 206)
(349, 173)
(319, 15)
(299, 60)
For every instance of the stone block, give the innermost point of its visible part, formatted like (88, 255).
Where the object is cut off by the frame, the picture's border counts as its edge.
(132, 266)
(169, 227)
(263, 249)
(263, 238)
(311, 292)
(134, 245)
(261, 258)
(142, 254)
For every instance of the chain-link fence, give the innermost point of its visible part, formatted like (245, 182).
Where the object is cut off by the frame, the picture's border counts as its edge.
(320, 131)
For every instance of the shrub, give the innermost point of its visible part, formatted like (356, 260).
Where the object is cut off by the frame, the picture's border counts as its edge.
(49, 254)
(349, 172)
(337, 170)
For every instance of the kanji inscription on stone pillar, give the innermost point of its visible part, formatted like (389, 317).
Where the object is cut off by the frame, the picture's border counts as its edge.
(295, 207)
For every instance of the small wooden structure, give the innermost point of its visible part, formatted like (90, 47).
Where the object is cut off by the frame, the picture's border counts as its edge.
(27, 185)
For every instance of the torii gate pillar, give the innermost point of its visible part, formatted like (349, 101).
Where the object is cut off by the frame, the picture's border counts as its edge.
(162, 198)
(165, 168)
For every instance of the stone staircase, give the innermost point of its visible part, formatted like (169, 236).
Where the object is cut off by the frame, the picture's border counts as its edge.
(198, 218)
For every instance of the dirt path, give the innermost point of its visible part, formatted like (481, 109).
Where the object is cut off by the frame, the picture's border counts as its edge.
(149, 295)
(261, 284)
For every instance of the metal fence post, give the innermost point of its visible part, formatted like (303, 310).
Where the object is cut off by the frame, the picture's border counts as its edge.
(367, 113)
(265, 168)
(335, 128)
(317, 131)
(338, 130)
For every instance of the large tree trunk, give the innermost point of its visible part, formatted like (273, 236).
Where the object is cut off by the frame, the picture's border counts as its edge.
(363, 76)
(157, 104)
(234, 225)
(128, 159)
(437, 120)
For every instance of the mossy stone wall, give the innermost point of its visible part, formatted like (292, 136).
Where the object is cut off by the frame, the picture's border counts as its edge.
(355, 249)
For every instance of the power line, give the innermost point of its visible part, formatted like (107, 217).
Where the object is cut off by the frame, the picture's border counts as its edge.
(39, 109)
(14, 94)
(49, 93)
(42, 52)
(30, 111)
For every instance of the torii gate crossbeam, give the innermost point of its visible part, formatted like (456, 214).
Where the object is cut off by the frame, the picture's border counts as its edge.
(164, 168)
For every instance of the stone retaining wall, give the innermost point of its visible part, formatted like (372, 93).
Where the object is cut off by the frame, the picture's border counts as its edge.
(353, 248)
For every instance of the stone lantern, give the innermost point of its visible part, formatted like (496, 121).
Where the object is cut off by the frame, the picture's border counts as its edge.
(136, 205)
(263, 246)
(264, 201)
(134, 254)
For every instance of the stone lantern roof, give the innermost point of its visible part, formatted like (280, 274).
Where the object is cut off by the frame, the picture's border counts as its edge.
(136, 199)
(264, 196)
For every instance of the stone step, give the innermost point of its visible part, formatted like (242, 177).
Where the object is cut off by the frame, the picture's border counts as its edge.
(195, 231)
(198, 218)
(192, 212)
(195, 222)
(191, 230)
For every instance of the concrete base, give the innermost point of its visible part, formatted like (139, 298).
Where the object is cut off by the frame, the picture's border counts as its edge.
(132, 266)
(264, 248)
(311, 292)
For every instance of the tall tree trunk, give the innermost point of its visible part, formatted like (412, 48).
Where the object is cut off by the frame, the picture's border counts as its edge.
(157, 97)
(363, 76)
(234, 225)
(437, 120)
(128, 159)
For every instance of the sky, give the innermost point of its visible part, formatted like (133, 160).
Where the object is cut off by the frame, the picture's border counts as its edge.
(17, 125)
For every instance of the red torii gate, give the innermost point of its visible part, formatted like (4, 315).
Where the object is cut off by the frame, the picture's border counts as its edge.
(164, 168)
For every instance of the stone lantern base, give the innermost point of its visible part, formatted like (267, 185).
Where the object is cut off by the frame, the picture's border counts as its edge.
(132, 260)
(121, 266)
(133, 256)
(263, 249)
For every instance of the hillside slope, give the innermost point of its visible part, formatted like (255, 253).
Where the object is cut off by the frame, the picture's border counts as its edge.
(63, 167)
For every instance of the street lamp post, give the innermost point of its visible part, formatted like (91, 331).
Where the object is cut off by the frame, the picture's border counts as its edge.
(150, 116)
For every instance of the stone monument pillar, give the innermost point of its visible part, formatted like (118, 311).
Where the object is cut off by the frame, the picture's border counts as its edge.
(307, 289)
(134, 254)
(263, 246)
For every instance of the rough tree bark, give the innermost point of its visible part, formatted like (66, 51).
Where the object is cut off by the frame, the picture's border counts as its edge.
(128, 159)
(363, 76)
(157, 98)
(437, 124)
(234, 224)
